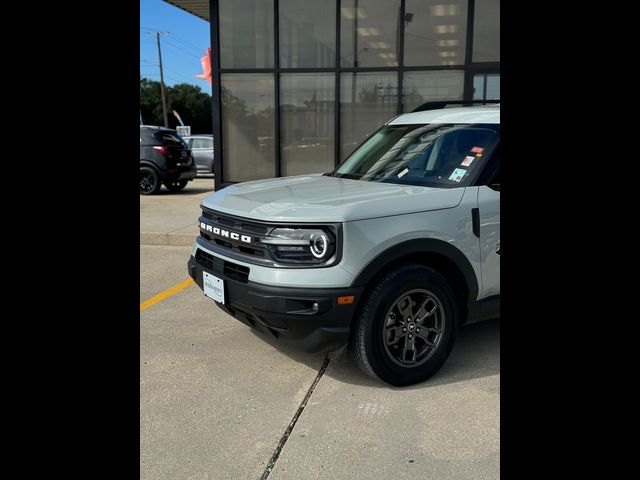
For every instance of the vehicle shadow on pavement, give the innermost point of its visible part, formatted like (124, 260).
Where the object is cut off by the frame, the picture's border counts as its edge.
(476, 354)
(187, 191)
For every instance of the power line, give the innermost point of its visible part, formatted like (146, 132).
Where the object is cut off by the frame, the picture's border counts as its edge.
(178, 73)
(176, 37)
(191, 54)
(179, 54)
(173, 35)
(165, 76)
(190, 61)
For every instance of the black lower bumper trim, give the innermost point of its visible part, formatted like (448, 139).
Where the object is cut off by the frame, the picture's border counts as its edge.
(183, 173)
(307, 319)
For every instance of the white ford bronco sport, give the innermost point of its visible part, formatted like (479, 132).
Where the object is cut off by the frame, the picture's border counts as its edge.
(391, 252)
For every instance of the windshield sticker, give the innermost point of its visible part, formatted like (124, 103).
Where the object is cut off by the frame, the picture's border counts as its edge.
(403, 172)
(467, 161)
(477, 149)
(457, 174)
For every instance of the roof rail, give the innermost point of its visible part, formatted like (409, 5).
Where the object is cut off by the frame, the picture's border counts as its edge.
(444, 103)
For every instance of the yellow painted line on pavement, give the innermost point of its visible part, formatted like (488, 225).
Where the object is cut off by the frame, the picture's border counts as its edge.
(166, 294)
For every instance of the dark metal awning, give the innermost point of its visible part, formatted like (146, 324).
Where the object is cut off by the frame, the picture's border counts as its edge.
(199, 8)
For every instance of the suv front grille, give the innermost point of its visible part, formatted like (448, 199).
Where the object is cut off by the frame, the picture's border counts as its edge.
(232, 270)
(204, 259)
(233, 234)
(236, 272)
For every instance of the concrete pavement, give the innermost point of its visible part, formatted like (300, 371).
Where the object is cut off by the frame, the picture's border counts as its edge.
(215, 400)
(170, 218)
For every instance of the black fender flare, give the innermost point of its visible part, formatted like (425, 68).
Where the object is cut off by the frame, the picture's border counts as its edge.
(149, 163)
(417, 246)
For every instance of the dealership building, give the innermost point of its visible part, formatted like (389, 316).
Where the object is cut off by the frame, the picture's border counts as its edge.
(298, 84)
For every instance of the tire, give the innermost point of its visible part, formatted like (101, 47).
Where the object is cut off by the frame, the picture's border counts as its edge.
(176, 186)
(382, 341)
(149, 181)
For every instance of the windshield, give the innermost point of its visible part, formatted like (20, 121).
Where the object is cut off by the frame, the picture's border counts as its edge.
(433, 155)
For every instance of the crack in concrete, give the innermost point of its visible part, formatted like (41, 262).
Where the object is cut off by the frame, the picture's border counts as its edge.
(292, 424)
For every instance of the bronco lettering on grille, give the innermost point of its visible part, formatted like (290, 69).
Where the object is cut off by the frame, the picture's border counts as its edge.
(225, 233)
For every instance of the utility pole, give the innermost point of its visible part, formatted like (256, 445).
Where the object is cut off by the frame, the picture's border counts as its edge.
(164, 100)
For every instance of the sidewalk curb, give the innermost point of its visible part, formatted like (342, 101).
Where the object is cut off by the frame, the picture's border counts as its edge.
(173, 239)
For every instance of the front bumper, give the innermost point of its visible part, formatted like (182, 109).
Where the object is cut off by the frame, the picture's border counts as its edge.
(308, 319)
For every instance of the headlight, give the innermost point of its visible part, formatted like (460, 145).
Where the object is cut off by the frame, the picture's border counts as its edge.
(301, 245)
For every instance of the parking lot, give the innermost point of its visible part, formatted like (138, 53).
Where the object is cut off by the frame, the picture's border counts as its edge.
(216, 399)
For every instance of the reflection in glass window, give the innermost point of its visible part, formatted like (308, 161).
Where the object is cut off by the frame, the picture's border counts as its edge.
(307, 33)
(486, 86)
(493, 87)
(435, 32)
(478, 87)
(486, 31)
(435, 155)
(368, 33)
(248, 126)
(367, 101)
(246, 33)
(421, 87)
(307, 113)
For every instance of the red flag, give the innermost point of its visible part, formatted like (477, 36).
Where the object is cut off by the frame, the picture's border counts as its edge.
(206, 66)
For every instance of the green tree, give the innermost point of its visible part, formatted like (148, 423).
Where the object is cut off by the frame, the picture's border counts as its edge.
(193, 105)
(150, 102)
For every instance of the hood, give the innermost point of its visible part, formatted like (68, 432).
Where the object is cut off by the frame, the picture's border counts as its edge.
(317, 198)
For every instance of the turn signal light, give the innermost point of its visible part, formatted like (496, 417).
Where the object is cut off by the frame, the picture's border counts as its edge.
(346, 300)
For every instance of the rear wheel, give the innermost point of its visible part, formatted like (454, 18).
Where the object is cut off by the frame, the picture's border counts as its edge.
(176, 186)
(149, 181)
(406, 328)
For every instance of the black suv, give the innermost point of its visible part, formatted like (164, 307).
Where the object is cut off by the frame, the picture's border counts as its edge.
(164, 158)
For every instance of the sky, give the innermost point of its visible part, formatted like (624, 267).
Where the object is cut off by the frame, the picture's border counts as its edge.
(182, 48)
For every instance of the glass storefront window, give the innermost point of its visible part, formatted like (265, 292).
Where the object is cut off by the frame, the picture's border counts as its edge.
(307, 118)
(367, 101)
(486, 86)
(421, 87)
(246, 33)
(248, 126)
(369, 32)
(307, 34)
(486, 31)
(435, 32)
(435, 41)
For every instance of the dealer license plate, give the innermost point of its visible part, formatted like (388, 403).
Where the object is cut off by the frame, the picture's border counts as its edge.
(213, 287)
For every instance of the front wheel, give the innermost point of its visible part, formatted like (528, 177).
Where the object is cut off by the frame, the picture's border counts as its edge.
(406, 327)
(176, 186)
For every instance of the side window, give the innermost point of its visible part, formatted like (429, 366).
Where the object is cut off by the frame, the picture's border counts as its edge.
(170, 139)
(208, 143)
(198, 143)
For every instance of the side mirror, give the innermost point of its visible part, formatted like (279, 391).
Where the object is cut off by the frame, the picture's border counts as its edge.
(495, 186)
